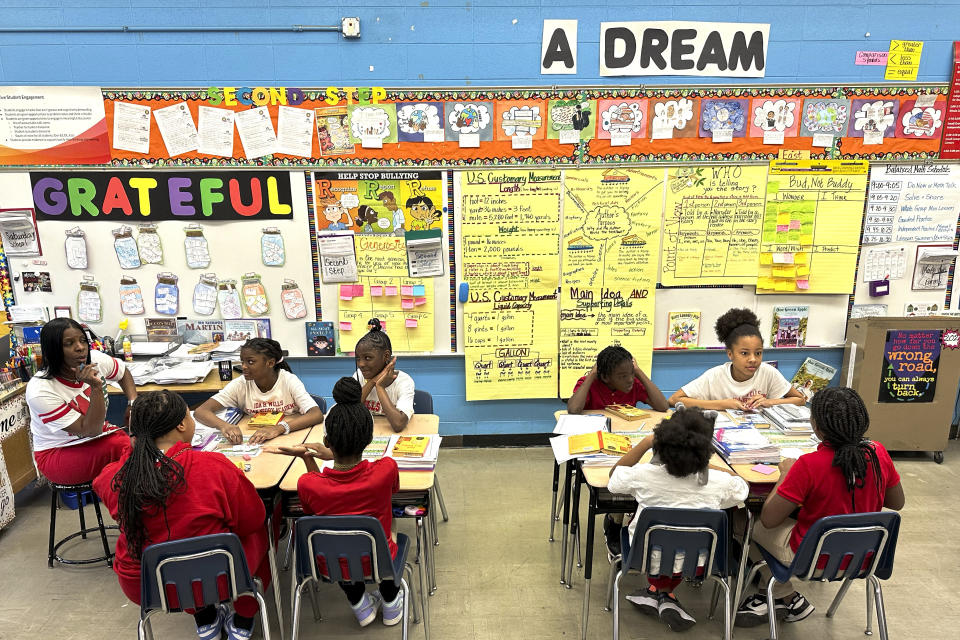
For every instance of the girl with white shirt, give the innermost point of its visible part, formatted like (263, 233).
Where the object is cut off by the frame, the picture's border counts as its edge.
(267, 386)
(744, 383)
(386, 391)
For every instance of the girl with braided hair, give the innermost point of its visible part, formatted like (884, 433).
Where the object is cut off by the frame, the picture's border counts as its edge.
(848, 473)
(164, 490)
(353, 486)
(384, 390)
(744, 383)
(615, 379)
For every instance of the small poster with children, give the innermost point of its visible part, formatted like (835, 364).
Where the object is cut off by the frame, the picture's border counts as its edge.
(320, 340)
(910, 363)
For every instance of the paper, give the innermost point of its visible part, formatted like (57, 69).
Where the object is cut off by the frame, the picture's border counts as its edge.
(425, 253)
(814, 210)
(131, 298)
(131, 127)
(932, 266)
(868, 311)
(196, 248)
(521, 141)
(295, 131)
(177, 129)
(256, 132)
(510, 234)
(569, 136)
(18, 229)
(903, 60)
(620, 139)
(148, 244)
(381, 255)
(272, 251)
(372, 142)
(390, 290)
(712, 225)
(376, 291)
(419, 301)
(346, 326)
(419, 290)
(215, 131)
(338, 262)
(883, 263)
(871, 58)
(22, 313)
(722, 135)
(75, 246)
(581, 423)
(292, 301)
(406, 290)
(763, 468)
(469, 140)
(912, 203)
(393, 312)
(346, 292)
(773, 137)
(611, 236)
(406, 303)
(822, 140)
(410, 323)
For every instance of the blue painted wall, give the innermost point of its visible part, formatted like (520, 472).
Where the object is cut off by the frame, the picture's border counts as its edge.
(446, 43)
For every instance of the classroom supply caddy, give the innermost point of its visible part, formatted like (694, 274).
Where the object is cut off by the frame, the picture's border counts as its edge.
(907, 371)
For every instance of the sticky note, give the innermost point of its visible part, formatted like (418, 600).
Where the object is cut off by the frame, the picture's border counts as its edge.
(783, 218)
(800, 258)
(806, 238)
(803, 270)
(794, 224)
(783, 258)
(411, 323)
(765, 283)
(357, 290)
(782, 228)
(419, 290)
(785, 285)
(345, 326)
(766, 258)
(803, 284)
(406, 303)
(390, 290)
(346, 292)
(419, 301)
(763, 468)
(376, 291)
(406, 290)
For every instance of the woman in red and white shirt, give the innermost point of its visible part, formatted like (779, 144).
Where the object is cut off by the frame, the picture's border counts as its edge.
(72, 441)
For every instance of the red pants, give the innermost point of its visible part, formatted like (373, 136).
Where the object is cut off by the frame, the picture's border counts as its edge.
(81, 462)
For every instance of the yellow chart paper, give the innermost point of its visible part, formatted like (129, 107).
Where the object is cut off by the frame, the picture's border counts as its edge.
(381, 255)
(811, 226)
(611, 242)
(410, 329)
(712, 224)
(510, 234)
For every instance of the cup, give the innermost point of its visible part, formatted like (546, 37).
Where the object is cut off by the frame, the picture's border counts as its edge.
(226, 370)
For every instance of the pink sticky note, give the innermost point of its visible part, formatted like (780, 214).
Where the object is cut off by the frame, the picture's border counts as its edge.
(390, 290)
(406, 303)
(871, 58)
(357, 290)
(803, 284)
(376, 291)
(763, 468)
(345, 326)
(794, 225)
(406, 290)
(346, 292)
(783, 227)
(419, 301)
(411, 323)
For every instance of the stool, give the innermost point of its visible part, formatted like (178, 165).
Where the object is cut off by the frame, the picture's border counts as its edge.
(52, 552)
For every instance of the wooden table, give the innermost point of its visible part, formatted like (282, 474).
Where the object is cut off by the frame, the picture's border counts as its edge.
(211, 384)
(268, 469)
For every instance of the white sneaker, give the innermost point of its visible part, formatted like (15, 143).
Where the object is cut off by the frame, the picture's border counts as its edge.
(393, 611)
(366, 609)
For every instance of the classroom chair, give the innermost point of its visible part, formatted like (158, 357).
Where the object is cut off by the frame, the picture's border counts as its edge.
(321, 402)
(856, 546)
(669, 531)
(195, 572)
(79, 490)
(423, 403)
(349, 549)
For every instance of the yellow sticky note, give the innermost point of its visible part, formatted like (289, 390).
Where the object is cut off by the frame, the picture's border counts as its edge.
(785, 285)
(806, 238)
(800, 258)
(803, 271)
(903, 60)
(783, 218)
(765, 283)
(766, 258)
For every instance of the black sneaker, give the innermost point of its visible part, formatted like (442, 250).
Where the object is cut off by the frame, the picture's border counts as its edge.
(647, 601)
(796, 608)
(611, 532)
(753, 611)
(673, 614)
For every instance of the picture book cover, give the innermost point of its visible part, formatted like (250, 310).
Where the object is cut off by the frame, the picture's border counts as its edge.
(320, 340)
(266, 419)
(627, 412)
(812, 376)
(160, 329)
(411, 446)
(597, 441)
(200, 331)
(263, 328)
(684, 329)
(794, 333)
(377, 448)
(240, 329)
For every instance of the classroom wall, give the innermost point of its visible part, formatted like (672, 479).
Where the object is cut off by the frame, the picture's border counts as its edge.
(435, 42)
(453, 43)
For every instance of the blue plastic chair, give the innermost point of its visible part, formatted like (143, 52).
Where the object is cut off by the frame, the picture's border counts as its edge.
(348, 549)
(193, 573)
(856, 546)
(321, 402)
(423, 403)
(672, 532)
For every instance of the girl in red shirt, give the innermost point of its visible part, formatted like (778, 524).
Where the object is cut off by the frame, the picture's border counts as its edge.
(164, 490)
(353, 486)
(615, 379)
(846, 474)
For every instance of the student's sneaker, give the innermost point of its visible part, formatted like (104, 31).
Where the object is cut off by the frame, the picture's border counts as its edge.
(647, 601)
(235, 633)
(212, 631)
(366, 609)
(753, 611)
(797, 608)
(393, 611)
(673, 614)
(611, 532)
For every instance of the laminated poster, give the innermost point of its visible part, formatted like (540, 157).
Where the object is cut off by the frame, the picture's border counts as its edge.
(911, 360)
(403, 305)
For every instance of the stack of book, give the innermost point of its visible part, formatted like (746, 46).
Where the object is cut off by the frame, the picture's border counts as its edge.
(415, 453)
(744, 444)
(790, 419)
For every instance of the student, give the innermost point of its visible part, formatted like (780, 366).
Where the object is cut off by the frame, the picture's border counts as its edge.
(164, 490)
(353, 486)
(386, 391)
(846, 474)
(744, 383)
(68, 405)
(615, 379)
(678, 475)
(267, 386)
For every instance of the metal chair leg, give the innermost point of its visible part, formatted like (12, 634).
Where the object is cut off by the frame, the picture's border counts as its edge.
(421, 575)
(714, 599)
(839, 597)
(433, 517)
(103, 533)
(295, 619)
(579, 557)
(881, 609)
(274, 574)
(554, 511)
(439, 492)
(771, 608)
(868, 631)
(314, 603)
(264, 617)
(744, 553)
(753, 571)
(727, 610)
(616, 605)
(617, 561)
(404, 620)
(83, 520)
(408, 574)
(289, 550)
(53, 527)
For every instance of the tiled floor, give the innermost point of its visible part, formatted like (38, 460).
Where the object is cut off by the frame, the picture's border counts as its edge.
(498, 575)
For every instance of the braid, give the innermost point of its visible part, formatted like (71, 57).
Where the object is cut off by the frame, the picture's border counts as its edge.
(610, 357)
(269, 349)
(148, 478)
(349, 425)
(375, 337)
(842, 419)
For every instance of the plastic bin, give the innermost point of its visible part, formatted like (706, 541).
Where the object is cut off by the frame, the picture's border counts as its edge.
(72, 501)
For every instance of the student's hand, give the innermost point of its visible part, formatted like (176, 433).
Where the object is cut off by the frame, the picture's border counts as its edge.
(733, 403)
(637, 371)
(91, 375)
(232, 433)
(759, 402)
(388, 375)
(785, 465)
(306, 450)
(593, 372)
(263, 434)
(319, 451)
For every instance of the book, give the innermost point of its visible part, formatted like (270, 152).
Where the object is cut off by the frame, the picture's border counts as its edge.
(240, 329)
(411, 446)
(201, 348)
(377, 448)
(789, 325)
(597, 442)
(743, 444)
(320, 340)
(263, 327)
(200, 331)
(683, 329)
(812, 376)
(266, 419)
(160, 329)
(626, 412)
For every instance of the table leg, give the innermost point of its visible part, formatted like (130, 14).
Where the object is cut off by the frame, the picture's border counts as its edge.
(566, 521)
(553, 502)
(574, 520)
(428, 542)
(421, 592)
(588, 561)
(274, 574)
(742, 575)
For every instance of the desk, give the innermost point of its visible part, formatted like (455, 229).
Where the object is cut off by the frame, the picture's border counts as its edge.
(210, 385)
